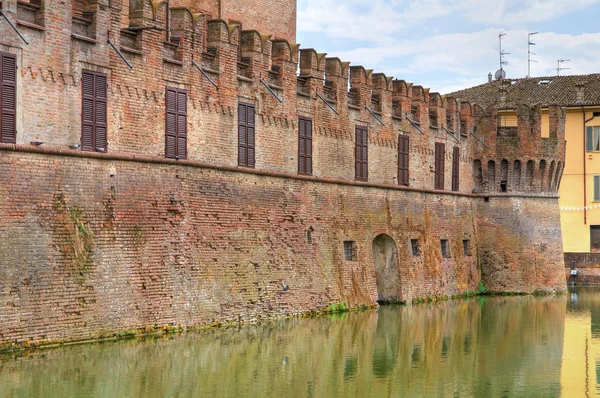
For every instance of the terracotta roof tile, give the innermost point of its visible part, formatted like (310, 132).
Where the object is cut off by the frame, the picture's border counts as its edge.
(550, 90)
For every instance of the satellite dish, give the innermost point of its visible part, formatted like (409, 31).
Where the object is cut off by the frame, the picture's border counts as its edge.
(500, 74)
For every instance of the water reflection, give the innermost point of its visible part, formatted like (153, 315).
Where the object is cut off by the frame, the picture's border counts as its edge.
(484, 347)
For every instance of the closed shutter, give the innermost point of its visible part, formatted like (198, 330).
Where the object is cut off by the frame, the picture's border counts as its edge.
(589, 140)
(304, 146)
(175, 123)
(456, 168)
(403, 147)
(246, 135)
(440, 153)
(94, 102)
(596, 188)
(362, 154)
(8, 98)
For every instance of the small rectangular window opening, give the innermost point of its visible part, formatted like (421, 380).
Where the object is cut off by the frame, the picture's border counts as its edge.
(467, 247)
(486, 199)
(592, 139)
(596, 188)
(503, 185)
(416, 249)
(445, 248)
(350, 250)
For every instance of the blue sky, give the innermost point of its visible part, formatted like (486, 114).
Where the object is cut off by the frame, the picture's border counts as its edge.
(447, 45)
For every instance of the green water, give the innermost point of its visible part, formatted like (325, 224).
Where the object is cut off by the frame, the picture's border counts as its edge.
(482, 347)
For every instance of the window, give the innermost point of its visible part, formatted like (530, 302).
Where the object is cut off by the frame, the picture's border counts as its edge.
(455, 168)
(592, 139)
(440, 153)
(403, 147)
(304, 146)
(414, 245)
(445, 248)
(449, 120)
(309, 235)
(8, 98)
(176, 123)
(467, 247)
(362, 154)
(94, 112)
(595, 238)
(350, 250)
(596, 188)
(507, 119)
(246, 135)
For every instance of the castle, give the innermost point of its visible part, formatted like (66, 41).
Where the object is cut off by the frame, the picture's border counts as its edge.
(212, 182)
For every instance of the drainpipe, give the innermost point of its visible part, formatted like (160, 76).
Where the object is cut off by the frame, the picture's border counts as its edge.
(584, 164)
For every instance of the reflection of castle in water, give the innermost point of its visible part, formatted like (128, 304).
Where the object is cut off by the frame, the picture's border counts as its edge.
(489, 346)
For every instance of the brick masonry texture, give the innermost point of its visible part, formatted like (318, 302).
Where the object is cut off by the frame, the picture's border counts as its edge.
(94, 242)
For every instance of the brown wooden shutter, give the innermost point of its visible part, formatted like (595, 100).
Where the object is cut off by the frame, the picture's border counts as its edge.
(403, 152)
(94, 102)
(8, 98)
(304, 146)
(176, 123)
(362, 154)
(246, 135)
(440, 153)
(455, 168)
(101, 138)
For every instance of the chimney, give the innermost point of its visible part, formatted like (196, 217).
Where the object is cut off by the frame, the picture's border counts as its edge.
(504, 86)
(490, 77)
(580, 89)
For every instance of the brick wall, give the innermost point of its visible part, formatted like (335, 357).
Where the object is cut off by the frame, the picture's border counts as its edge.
(106, 244)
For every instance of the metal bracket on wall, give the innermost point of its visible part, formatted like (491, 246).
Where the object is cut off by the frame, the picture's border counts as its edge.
(477, 138)
(327, 103)
(120, 54)
(450, 134)
(415, 125)
(211, 81)
(13, 27)
(374, 115)
(264, 83)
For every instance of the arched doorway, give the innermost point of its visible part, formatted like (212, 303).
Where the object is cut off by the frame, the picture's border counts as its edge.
(385, 256)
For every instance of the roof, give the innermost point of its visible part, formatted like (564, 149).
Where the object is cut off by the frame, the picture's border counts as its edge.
(550, 90)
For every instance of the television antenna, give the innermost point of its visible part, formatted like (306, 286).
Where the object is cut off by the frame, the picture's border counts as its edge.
(500, 73)
(529, 53)
(559, 67)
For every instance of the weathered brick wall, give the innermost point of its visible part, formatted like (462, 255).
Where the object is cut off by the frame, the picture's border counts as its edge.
(587, 265)
(92, 244)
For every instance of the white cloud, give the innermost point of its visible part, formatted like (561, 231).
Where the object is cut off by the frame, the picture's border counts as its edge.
(448, 61)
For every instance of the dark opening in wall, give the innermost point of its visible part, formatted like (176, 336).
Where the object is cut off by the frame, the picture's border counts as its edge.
(595, 238)
(445, 248)
(486, 199)
(414, 245)
(350, 250)
(467, 247)
(309, 235)
(503, 185)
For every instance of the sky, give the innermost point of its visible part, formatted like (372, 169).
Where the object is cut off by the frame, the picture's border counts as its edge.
(448, 45)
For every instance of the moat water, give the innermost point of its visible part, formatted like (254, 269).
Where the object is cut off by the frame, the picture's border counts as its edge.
(481, 347)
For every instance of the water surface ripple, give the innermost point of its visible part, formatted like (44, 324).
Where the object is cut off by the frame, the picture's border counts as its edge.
(482, 347)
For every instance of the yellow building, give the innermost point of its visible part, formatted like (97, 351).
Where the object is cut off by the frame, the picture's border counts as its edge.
(580, 185)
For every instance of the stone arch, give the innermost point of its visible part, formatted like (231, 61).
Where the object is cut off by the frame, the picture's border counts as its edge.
(491, 175)
(516, 180)
(477, 175)
(504, 175)
(551, 175)
(387, 270)
(558, 175)
(542, 174)
(529, 174)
